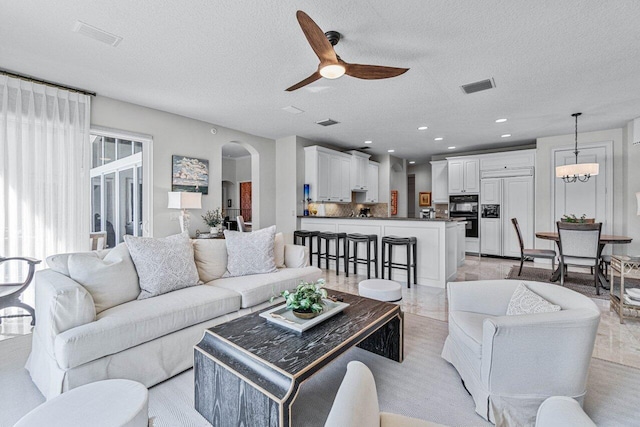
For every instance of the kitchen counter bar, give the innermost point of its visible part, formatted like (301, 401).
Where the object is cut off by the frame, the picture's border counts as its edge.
(391, 218)
(440, 243)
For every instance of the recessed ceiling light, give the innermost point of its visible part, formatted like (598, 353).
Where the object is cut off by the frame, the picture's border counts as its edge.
(501, 120)
(451, 148)
(423, 128)
(391, 151)
(412, 162)
(438, 139)
(506, 135)
(368, 142)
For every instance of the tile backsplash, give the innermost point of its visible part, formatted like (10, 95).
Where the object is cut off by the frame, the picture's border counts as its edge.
(442, 210)
(379, 210)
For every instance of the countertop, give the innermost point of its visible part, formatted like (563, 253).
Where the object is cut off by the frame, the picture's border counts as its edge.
(384, 218)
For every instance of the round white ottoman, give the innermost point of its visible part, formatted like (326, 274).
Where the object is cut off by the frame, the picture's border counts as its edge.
(380, 289)
(109, 403)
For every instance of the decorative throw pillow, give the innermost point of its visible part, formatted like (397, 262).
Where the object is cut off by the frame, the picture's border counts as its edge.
(211, 258)
(250, 253)
(163, 264)
(525, 301)
(110, 281)
(278, 250)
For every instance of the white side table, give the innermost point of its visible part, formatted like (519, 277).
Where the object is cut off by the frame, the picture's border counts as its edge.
(380, 289)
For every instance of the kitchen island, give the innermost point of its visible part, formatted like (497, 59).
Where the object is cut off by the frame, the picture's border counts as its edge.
(440, 242)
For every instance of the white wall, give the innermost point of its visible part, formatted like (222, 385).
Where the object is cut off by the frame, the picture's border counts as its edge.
(173, 134)
(423, 182)
(398, 181)
(243, 169)
(631, 168)
(545, 178)
(287, 177)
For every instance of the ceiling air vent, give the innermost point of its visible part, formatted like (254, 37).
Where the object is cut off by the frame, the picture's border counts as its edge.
(478, 86)
(327, 122)
(96, 33)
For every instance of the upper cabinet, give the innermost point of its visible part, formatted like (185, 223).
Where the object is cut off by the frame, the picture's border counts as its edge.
(373, 170)
(463, 175)
(439, 182)
(359, 170)
(508, 160)
(328, 174)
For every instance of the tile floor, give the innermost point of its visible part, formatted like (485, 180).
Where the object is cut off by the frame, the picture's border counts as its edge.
(615, 342)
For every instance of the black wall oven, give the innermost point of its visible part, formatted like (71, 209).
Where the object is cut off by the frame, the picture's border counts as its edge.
(465, 207)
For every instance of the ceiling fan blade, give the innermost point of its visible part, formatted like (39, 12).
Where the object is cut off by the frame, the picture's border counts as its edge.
(372, 72)
(316, 38)
(312, 78)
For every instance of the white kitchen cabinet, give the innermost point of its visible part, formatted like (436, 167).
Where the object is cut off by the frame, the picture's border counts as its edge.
(508, 160)
(328, 174)
(491, 232)
(359, 170)
(463, 175)
(439, 182)
(371, 195)
(461, 249)
(518, 202)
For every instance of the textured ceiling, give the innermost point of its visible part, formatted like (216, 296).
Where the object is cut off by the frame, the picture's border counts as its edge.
(228, 63)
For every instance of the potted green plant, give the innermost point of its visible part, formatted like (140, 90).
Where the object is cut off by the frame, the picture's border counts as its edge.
(573, 219)
(214, 220)
(306, 301)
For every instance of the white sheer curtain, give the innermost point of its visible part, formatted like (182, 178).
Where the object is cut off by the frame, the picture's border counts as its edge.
(44, 189)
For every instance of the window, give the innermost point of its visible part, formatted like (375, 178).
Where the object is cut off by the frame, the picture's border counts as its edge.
(120, 203)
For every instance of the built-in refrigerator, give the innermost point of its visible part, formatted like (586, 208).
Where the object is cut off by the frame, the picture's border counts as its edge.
(504, 195)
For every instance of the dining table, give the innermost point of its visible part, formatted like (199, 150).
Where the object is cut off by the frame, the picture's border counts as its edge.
(605, 239)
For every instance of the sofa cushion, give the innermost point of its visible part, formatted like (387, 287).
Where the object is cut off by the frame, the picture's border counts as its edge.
(278, 250)
(110, 281)
(466, 327)
(133, 323)
(525, 301)
(259, 288)
(211, 258)
(250, 253)
(60, 262)
(163, 264)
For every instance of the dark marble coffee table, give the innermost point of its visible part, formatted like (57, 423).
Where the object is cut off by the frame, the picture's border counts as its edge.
(248, 371)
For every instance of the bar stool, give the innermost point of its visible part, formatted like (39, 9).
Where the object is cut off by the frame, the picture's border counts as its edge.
(388, 242)
(326, 255)
(301, 236)
(367, 239)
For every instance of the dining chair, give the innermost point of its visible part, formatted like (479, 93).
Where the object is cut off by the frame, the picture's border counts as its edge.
(532, 253)
(579, 245)
(241, 225)
(98, 240)
(10, 292)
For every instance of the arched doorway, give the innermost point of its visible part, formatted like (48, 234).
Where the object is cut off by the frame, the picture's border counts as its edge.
(238, 192)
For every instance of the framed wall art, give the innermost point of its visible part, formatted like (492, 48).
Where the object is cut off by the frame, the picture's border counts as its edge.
(189, 174)
(394, 202)
(424, 199)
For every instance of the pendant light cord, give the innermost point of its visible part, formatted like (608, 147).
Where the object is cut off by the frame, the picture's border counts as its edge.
(576, 149)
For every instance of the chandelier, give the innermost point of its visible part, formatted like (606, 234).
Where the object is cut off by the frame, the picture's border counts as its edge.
(578, 171)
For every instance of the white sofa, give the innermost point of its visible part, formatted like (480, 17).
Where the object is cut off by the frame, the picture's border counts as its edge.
(148, 340)
(511, 364)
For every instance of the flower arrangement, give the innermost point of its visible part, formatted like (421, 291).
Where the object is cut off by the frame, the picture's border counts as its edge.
(213, 218)
(573, 219)
(307, 299)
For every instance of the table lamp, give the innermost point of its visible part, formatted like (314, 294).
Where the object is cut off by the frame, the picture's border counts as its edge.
(184, 201)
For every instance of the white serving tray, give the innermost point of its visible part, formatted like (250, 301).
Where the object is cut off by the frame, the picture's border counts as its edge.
(284, 317)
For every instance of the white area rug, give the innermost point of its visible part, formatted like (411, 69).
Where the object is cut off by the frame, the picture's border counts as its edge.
(423, 386)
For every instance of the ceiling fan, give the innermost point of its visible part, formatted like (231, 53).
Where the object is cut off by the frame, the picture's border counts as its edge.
(331, 65)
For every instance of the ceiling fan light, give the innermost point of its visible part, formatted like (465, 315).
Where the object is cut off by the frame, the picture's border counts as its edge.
(332, 71)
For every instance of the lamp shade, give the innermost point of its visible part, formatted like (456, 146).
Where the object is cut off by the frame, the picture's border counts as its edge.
(638, 197)
(184, 200)
(580, 169)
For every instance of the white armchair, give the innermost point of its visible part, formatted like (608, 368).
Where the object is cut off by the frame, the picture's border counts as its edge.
(511, 364)
(356, 403)
(562, 411)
